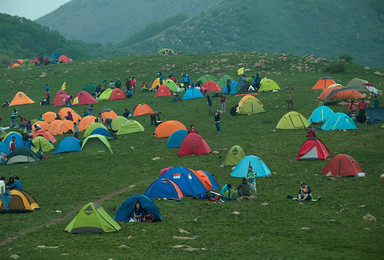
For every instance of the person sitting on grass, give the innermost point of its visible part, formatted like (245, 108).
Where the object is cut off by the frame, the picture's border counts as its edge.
(17, 185)
(244, 189)
(137, 214)
(227, 192)
(305, 192)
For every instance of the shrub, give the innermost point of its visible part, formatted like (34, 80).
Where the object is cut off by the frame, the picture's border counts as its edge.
(337, 66)
(346, 57)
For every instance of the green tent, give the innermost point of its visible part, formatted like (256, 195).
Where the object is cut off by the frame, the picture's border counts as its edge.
(250, 107)
(27, 63)
(223, 80)
(117, 122)
(172, 85)
(92, 127)
(41, 144)
(92, 218)
(96, 144)
(105, 95)
(292, 120)
(130, 126)
(268, 85)
(234, 156)
(356, 82)
(90, 88)
(205, 78)
(165, 51)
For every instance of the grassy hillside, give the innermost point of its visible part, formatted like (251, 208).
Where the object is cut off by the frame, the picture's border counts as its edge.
(112, 21)
(64, 182)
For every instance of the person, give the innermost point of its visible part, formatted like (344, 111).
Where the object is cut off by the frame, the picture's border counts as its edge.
(217, 121)
(126, 113)
(112, 84)
(161, 78)
(228, 86)
(227, 192)
(192, 129)
(144, 87)
(40, 118)
(3, 158)
(14, 114)
(289, 101)
(5, 195)
(75, 130)
(251, 178)
(209, 102)
(85, 113)
(69, 116)
(90, 110)
(37, 127)
(233, 110)
(257, 82)
(311, 132)
(28, 126)
(5, 104)
(12, 144)
(155, 118)
(222, 99)
(376, 102)
(243, 189)
(242, 83)
(175, 97)
(108, 123)
(17, 185)
(351, 109)
(137, 214)
(133, 84)
(47, 97)
(2, 185)
(97, 90)
(67, 100)
(128, 83)
(362, 106)
(305, 192)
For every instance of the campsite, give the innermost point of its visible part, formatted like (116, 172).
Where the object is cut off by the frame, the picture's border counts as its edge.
(270, 227)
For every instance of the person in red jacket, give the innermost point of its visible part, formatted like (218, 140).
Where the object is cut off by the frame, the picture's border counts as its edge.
(362, 106)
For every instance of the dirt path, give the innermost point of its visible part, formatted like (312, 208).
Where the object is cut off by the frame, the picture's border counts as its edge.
(57, 220)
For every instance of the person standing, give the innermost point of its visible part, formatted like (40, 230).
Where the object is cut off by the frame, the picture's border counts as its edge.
(222, 99)
(352, 109)
(75, 130)
(251, 177)
(362, 106)
(12, 144)
(376, 102)
(217, 121)
(242, 84)
(13, 118)
(209, 102)
(257, 82)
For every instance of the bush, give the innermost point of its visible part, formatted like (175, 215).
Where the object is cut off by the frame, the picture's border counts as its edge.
(346, 57)
(338, 66)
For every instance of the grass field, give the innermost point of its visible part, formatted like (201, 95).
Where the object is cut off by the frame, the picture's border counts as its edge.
(66, 182)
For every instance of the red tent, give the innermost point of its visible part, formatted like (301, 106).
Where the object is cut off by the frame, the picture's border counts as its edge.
(312, 149)
(58, 93)
(64, 59)
(84, 98)
(193, 144)
(163, 91)
(324, 83)
(117, 94)
(211, 86)
(342, 165)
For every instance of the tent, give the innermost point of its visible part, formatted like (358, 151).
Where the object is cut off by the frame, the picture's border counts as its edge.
(18, 138)
(155, 83)
(211, 86)
(46, 134)
(129, 204)
(259, 167)
(172, 85)
(68, 144)
(234, 156)
(192, 93)
(130, 126)
(165, 51)
(340, 92)
(60, 101)
(320, 114)
(356, 82)
(105, 95)
(292, 120)
(167, 128)
(206, 78)
(96, 144)
(90, 88)
(108, 114)
(193, 144)
(49, 116)
(233, 90)
(21, 99)
(338, 121)
(53, 125)
(59, 98)
(223, 80)
(163, 91)
(117, 122)
(64, 127)
(142, 109)
(86, 122)
(92, 218)
(64, 112)
(92, 127)
(324, 83)
(44, 126)
(103, 132)
(22, 155)
(250, 107)
(342, 165)
(268, 85)
(64, 59)
(375, 115)
(246, 97)
(4, 148)
(117, 94)
(83, 98)
(164, 188)
(41, 144)
(174, 141)
(21, 202)
(312, 149)
(207, 180)
(187, 181)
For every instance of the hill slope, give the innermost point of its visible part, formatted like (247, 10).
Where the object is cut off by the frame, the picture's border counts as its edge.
(112, 21)
(324, 28)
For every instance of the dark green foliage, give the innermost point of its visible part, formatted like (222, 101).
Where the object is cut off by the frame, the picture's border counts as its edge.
(346, 57)
(336, 66)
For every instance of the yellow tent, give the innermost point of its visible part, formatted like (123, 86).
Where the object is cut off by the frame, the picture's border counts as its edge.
(155, 83)
(268, 85)
(292, 120)
(245, 98)
(40, 143)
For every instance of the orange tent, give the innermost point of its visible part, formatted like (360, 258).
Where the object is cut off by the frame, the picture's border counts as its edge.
(203, 178)
(108, 114)
(44, 126)
(211, 86)
(64, 59)
(53, 125)
(21, 99)
(85, 122)
(64, 112)
(64, 127)
(117, 94)
(49, 116)
(347, 94)
(163, 91)
(167, 128)
(155, 83)
(47, 135)
(324, 83)
(142, 109)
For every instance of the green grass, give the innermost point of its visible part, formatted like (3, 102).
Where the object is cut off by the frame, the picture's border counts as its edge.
(66, 181)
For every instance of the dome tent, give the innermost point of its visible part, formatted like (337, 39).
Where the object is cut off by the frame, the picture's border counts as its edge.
(128, 205)
(259, 167)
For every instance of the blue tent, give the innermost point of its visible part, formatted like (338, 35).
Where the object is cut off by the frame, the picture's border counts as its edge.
(4, 148)
(164, 188)
(18, 139)
(320, 114)
(338, 121)
(176, 138)
(187, 181)
(215, 184)
(233, 84)
(129, 204)
(68, 144)
(192, 93)
(102, 131)
(257, 164)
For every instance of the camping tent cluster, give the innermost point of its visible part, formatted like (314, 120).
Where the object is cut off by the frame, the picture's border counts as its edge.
(52, 59)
